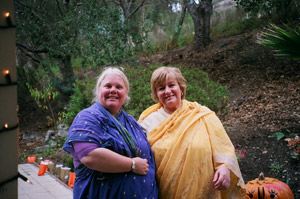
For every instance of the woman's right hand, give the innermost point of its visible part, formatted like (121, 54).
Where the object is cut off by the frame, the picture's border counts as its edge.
(141, 166)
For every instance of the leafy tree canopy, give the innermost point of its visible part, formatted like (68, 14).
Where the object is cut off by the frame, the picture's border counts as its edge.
(61, 31)
(282, 8)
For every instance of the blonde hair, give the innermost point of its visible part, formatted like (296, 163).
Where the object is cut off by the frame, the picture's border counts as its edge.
(162, 74)
(111, 71)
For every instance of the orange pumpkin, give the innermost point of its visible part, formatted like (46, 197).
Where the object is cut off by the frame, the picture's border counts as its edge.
(267, 188)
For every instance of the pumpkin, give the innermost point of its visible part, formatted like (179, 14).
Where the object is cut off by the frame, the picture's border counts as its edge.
(267, 188)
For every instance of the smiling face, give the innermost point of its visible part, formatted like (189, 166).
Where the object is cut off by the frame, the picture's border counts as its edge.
(169, 94)
(112, 93)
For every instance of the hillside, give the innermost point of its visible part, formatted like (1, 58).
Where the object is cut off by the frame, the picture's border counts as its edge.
(265, 98)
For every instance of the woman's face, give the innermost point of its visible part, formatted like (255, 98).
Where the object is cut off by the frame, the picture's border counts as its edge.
(112, 93)
(169, 94)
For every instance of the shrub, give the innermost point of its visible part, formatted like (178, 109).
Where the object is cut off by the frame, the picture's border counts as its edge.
(199, 88)
(285, 42)
(81, 99)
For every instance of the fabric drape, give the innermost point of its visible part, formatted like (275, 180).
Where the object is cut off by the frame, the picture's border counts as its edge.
(188, 148)
(92, 125)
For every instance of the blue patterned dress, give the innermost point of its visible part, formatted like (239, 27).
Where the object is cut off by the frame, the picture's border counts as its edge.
(95, 126)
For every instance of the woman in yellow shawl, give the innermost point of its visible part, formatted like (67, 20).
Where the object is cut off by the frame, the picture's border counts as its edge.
(193, 154)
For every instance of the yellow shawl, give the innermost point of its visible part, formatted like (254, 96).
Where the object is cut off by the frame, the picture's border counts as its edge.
(188, 148)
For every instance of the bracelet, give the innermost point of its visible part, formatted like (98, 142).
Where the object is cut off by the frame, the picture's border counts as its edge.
(133, 164)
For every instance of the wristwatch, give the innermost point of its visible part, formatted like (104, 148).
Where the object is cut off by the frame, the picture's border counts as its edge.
(133, 164)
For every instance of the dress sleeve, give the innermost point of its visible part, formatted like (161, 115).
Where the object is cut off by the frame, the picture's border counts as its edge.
(83, 148)
(222, 148)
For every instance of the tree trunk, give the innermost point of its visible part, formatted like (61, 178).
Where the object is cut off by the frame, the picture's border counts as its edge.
(67, 75)
(179, 26)
(200, 14)
(130, 7)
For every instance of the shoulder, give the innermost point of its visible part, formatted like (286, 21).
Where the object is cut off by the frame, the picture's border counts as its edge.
(196, 107)
(90, 115)
(129, 117)
(153, 119)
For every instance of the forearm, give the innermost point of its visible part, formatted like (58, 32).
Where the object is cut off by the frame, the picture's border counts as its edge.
(105, 160)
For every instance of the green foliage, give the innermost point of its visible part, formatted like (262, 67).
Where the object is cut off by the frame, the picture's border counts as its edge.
(88, 28)
(276, 167)
(69, 163)
(46, 153)
(60, 141)
(282, 8)
(164, 32)
(43, 98)
(277, 135)
(54, 33)
(199, 88)
(236, 27)
(285, 42)
(140, 89)
(82, 97)
(205, 91)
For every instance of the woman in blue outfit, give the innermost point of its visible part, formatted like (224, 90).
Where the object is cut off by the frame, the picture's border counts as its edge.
(112, 156)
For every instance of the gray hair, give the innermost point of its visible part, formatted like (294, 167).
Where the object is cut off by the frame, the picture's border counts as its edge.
(111, 71)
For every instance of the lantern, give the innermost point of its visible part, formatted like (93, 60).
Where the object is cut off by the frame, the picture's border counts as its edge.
(31, 159)
(267, 188)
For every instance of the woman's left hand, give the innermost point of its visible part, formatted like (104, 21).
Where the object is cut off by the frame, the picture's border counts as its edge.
(222, 178)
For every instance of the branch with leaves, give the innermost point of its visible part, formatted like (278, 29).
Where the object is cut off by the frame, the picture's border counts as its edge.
(44, 98)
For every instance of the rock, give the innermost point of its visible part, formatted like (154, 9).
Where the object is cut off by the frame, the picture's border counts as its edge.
(49, 134)
(62, 130)
(41, 148)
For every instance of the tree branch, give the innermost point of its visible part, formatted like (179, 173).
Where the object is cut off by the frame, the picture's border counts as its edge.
(58, 7)
(137, 8)
(29, 55)
(31, 50)
(117, 2)
(182, 15)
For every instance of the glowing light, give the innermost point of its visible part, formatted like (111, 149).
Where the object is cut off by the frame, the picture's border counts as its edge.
(6, 14)
(6, 125)
(6, 72)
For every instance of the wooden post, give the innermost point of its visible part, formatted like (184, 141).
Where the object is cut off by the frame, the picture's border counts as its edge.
(8, 103)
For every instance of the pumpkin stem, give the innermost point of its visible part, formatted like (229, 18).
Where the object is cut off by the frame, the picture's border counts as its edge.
(261, 177)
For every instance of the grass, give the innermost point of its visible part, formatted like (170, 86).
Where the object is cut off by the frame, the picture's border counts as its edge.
(276, 167)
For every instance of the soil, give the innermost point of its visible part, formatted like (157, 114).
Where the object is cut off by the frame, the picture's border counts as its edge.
(264, 99)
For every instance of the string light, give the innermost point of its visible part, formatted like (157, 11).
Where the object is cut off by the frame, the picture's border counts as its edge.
(6, 73)
(24, 178)
(7, 76)
(6, 127)
(6, 14)
(8, 21)
(19, 175)
(7, 18)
